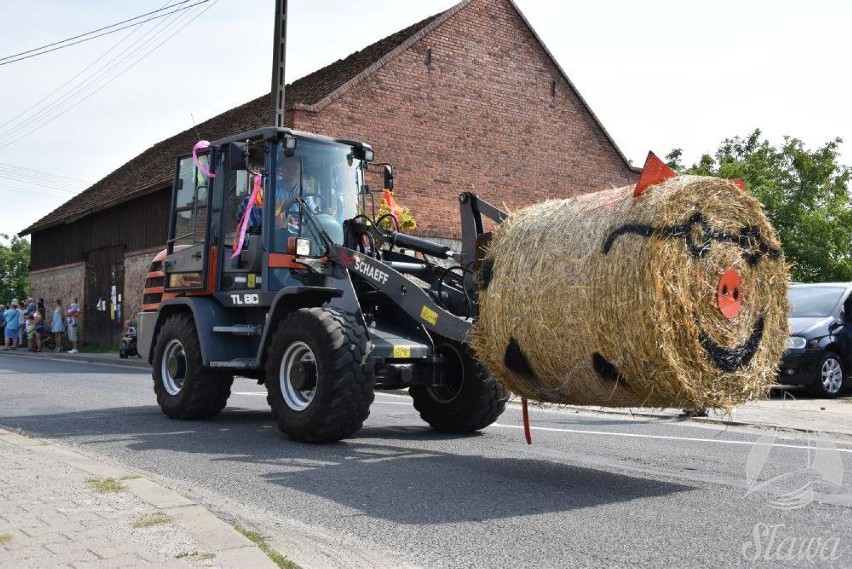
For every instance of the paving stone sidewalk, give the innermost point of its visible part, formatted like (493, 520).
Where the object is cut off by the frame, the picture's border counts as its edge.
(52, 515)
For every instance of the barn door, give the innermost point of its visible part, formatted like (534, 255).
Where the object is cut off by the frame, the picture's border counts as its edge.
(103, 307)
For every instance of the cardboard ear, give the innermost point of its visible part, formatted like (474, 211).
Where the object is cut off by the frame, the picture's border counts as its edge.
(654, 172)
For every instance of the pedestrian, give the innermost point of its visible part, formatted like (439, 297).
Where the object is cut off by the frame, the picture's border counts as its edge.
(30, 332)
(3, 323)
(22, 326)
(58, 325)
(13, 322)
(41, 310)
(38, 323)
(73, 325)
(31, 305)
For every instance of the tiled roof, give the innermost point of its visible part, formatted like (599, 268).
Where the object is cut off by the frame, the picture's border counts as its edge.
(154, 168)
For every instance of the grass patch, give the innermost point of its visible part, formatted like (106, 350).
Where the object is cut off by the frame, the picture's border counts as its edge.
(196, 554)
(105, 485)
(5, 538)
(130, 477)
(280, 560)
(155, 519)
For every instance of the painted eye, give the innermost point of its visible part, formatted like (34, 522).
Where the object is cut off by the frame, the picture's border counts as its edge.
(729, 294)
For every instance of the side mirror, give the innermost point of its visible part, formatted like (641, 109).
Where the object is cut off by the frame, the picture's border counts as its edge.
(388, 177)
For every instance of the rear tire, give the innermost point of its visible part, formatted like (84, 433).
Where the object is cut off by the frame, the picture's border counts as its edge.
(469, 399)
(319, 375)
(831, 377)
(185, 388)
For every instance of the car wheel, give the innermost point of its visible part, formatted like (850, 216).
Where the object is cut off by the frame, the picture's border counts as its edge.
(831, 376)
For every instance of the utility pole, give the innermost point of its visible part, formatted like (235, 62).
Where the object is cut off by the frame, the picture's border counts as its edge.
(279, 55)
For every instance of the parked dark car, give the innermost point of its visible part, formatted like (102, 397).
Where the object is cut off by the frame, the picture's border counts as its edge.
(819, 348)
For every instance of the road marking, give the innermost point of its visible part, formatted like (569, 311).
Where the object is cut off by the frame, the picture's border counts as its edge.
(248, 393)
(667, 438)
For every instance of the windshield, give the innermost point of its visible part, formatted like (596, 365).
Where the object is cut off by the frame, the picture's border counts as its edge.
(813, 301)
(327, 177)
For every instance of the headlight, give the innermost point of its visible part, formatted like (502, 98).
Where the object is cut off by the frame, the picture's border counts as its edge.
(795, 343)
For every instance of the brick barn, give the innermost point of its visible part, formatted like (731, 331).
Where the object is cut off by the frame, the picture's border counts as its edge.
(468, 99)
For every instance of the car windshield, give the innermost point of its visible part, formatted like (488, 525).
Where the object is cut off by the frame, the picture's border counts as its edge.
(813, 301)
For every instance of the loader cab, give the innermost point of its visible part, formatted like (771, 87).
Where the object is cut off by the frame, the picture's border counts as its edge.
(293, 186)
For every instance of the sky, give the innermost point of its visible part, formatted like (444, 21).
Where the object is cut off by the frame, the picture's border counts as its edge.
(659, 74)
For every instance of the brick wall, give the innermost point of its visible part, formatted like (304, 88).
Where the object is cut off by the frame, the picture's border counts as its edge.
(475, 105)
(65, 282)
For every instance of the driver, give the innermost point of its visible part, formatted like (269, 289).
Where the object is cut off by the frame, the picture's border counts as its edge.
(286, 192)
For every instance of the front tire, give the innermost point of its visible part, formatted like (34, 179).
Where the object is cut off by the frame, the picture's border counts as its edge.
(831, 376)
(467, 400)
(319, 375)
(185, 388)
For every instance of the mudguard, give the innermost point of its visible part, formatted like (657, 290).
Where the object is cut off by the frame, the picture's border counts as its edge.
(207, 312)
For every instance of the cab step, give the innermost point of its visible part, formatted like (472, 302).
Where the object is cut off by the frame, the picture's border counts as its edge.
(239, 329)
(236, 363)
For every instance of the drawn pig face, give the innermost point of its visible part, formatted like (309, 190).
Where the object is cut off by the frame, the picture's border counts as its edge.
(675, 297)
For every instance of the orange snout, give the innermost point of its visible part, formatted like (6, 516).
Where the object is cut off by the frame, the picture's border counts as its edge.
(729, 294)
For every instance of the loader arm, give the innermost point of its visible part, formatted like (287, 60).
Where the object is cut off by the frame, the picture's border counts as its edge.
(403, 292)
(475, 239)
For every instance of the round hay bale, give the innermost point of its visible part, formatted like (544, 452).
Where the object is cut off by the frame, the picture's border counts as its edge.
(676, 298)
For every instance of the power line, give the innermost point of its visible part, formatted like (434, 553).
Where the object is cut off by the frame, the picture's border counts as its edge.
(8, 59)
(42, 173)
(22, 179)
(93, 31)
(78, 93)
(104, 54)
(33, 193)
(56, 110)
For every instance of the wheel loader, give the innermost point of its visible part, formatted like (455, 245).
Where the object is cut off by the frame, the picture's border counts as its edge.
(277, 268)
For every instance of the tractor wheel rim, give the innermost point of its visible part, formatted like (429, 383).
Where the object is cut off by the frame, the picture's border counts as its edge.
(296, 399)
(173, 368)
(832, 375)
(450, 389)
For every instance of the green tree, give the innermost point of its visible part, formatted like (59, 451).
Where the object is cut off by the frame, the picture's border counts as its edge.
(14, 275)
(805, 194)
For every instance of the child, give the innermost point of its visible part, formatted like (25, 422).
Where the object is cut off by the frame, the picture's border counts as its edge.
(29, 331)
(38, 329)
(128, 341)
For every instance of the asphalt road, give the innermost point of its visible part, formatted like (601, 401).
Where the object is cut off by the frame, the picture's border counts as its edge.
(592, 489)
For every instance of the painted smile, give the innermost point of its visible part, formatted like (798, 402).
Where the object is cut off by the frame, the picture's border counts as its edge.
(724, 359)
(732, 359)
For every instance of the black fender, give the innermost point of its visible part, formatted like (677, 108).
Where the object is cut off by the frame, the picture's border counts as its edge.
(288, 300)
(834, 344)
(207, 312)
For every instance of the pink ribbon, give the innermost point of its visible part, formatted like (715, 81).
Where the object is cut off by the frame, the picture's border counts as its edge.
(201, 145)
(238, 245)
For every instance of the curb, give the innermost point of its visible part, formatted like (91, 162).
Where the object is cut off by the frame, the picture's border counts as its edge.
(232, 549)
(81, 357)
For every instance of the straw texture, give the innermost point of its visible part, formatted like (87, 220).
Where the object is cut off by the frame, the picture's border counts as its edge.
(607, 299)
